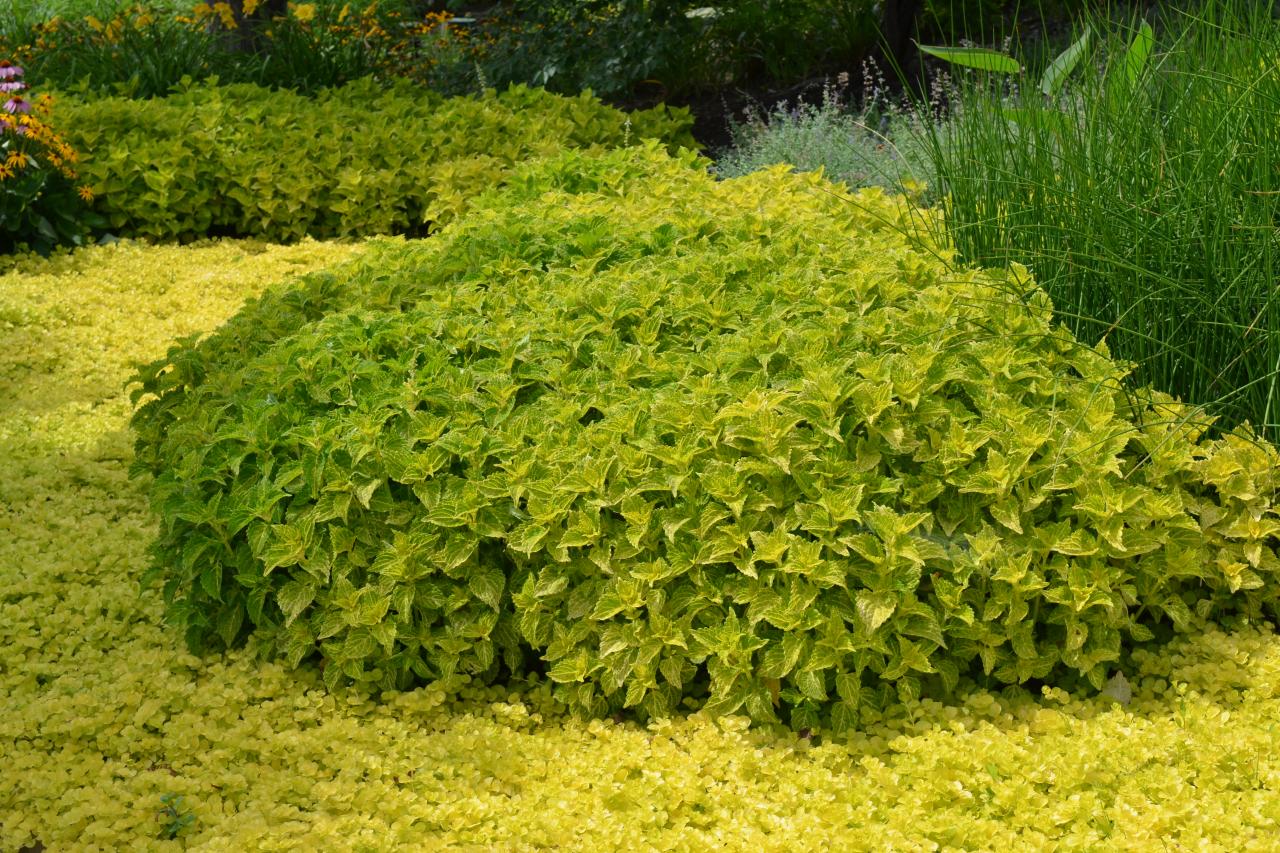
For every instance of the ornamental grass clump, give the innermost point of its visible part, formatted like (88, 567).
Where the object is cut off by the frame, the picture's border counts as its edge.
(1143, 191)
(674, 442)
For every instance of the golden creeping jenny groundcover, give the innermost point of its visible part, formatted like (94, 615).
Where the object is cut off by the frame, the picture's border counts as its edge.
(102, 714)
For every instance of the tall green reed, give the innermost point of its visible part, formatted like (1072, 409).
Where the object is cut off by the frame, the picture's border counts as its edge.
(1146, 201)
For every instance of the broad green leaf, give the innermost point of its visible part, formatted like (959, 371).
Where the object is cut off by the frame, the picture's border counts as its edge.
(1008, 513)
(329, 623)
(332, 675)
(728, 698)
(844, 717)
(908, 689)
(384, 634)
(550, 584)
(1140, 633)
(811, 685)
(287, 545)
(1021, 640)
(211, 580)
(526, 538)
(672, 669)
(371, 606)
(535, 626)
(230, 620)
(608, 605)
(402, 599)
(875, 608)
(484, 652)
(294, 597)
(356, 646)
(1177, 611)
(849, 687)
(805, 716)
(458, 549)
(636, 692)
(487, 583)
(1135, 58)
(658, 704)
(1055, 76)
(924, 624)
(914, 656)
(974, 57)
(364, 491)
(949, 673)
(391, 562)
(760, 706)
(1076, 544)
(613, 639)
(298, 644)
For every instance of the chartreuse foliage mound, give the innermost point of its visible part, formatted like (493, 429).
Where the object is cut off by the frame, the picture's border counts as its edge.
(745, 444)
(102, 715)
(358, 159)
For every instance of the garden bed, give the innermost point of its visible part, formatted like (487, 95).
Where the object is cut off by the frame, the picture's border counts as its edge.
(836, 480)
(102, 714)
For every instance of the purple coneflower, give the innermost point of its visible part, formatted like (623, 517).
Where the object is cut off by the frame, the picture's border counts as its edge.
(17, 104)
(12, 86)
(8, 70)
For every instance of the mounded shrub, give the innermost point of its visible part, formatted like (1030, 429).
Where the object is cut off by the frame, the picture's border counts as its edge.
(749, 444)
(354, 160)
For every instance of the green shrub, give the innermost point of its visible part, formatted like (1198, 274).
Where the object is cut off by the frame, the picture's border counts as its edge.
(677, 440)
(353, 160)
